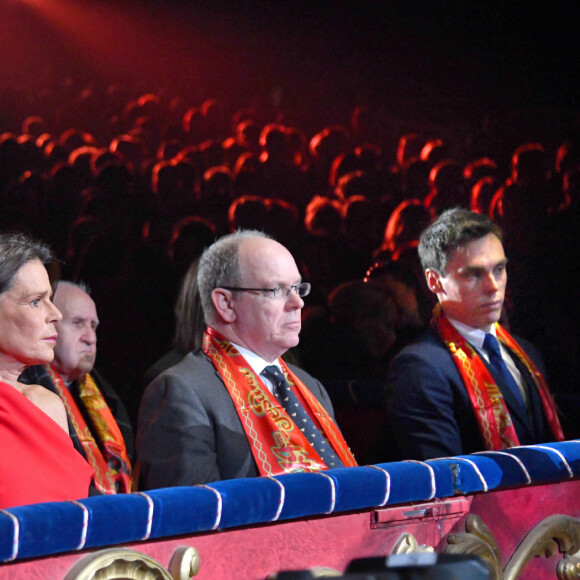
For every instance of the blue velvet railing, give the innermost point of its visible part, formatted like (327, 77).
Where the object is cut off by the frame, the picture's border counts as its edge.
(50, 528)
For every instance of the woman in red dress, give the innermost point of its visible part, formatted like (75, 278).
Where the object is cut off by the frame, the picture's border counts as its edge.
(38, 462)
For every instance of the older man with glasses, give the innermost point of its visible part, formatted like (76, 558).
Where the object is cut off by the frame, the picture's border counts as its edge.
(234, 408)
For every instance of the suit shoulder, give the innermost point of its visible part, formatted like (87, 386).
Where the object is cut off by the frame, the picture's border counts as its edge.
(195, 372)
(428, 346)
(192, 364)
(304, 376)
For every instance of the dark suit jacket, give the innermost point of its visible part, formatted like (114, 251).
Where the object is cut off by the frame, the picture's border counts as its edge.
(429, 412)
(189, 431)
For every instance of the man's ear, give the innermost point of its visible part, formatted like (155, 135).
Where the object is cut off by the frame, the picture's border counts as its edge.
(224, 304)
(433, 281)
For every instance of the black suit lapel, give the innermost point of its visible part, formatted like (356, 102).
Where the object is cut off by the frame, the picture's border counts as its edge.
(516, 407)
(535, 402)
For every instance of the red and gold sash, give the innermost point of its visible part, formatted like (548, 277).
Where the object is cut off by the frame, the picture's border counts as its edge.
(277, 445)
(108, 457)
(488, 404)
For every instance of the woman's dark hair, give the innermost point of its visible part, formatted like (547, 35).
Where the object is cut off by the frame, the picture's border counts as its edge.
(17, 250)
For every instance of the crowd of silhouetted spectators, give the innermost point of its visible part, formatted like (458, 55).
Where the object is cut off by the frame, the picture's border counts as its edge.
(129, 189)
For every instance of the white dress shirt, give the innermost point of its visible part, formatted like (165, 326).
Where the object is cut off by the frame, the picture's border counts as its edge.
(258, 364)
(475, 337)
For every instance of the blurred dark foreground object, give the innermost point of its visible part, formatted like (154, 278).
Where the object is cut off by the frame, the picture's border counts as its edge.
(416, 566)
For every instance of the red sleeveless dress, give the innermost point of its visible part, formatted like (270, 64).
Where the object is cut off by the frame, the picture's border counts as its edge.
(38, 462)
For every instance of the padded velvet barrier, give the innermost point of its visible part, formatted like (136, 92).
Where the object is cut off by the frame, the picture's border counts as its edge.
(43, 528)
(571, 451)
(411, 481)
(544, 464)
(514, 471)
(51, 528)
(306, 494)
(117, 519)
(182, 510)
(470, 473)
(360, 488)
(244, 504)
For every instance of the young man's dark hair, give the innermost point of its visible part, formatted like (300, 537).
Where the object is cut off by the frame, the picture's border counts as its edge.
(453, 228)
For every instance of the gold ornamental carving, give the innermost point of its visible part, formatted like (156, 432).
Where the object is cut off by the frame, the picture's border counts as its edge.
(407, 544)
(556, 533)
(569, 567)
(126, 564)
(477, 541)
(117, 564)
(185, 563)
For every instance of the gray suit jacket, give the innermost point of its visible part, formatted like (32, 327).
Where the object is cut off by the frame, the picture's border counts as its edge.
(189, 432)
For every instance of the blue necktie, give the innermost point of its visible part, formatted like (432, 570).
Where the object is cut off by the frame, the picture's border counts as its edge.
(301, 418)
(503, 375)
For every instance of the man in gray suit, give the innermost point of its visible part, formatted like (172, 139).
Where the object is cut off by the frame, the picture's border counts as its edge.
(234, 408)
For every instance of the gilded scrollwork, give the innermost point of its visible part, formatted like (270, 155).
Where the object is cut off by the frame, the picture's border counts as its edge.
(555, 533)
(407, 544)
(569, 567)
(479, 541)
(185, 563)
(117, 563)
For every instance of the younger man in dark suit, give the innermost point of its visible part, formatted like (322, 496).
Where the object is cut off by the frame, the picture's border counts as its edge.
(234, 408)
(467, 385)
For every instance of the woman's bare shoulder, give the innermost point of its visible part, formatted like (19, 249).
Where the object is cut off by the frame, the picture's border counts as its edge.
(46, 401)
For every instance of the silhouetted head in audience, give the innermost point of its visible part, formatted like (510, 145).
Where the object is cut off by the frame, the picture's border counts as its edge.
(358, 183)
(247, 212)
(190, 236)
(447, 187)
(363, 225)
(415, 179)
(342, 165)
(478, 169)
(189, 321)
(212, 153)
(434, 151)
(408, 148)
(247, 174)
(247, 134)
(217, 188)
(274, 144)
(325, 146)
(527, 198)
(34, 125)
(482, 193)
(74, 138)
(401, 280)
(323, 217)
(368, 312)
(282, 222)
(215, 118)
(571, 187)
(80, 160)
(132, 148)
(529, 166)
(405, 224)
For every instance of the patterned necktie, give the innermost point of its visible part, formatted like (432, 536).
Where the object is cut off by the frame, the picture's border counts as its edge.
(301, 418)
(491, 346)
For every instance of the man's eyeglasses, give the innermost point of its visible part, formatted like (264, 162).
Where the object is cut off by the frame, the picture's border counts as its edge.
(282, 291)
